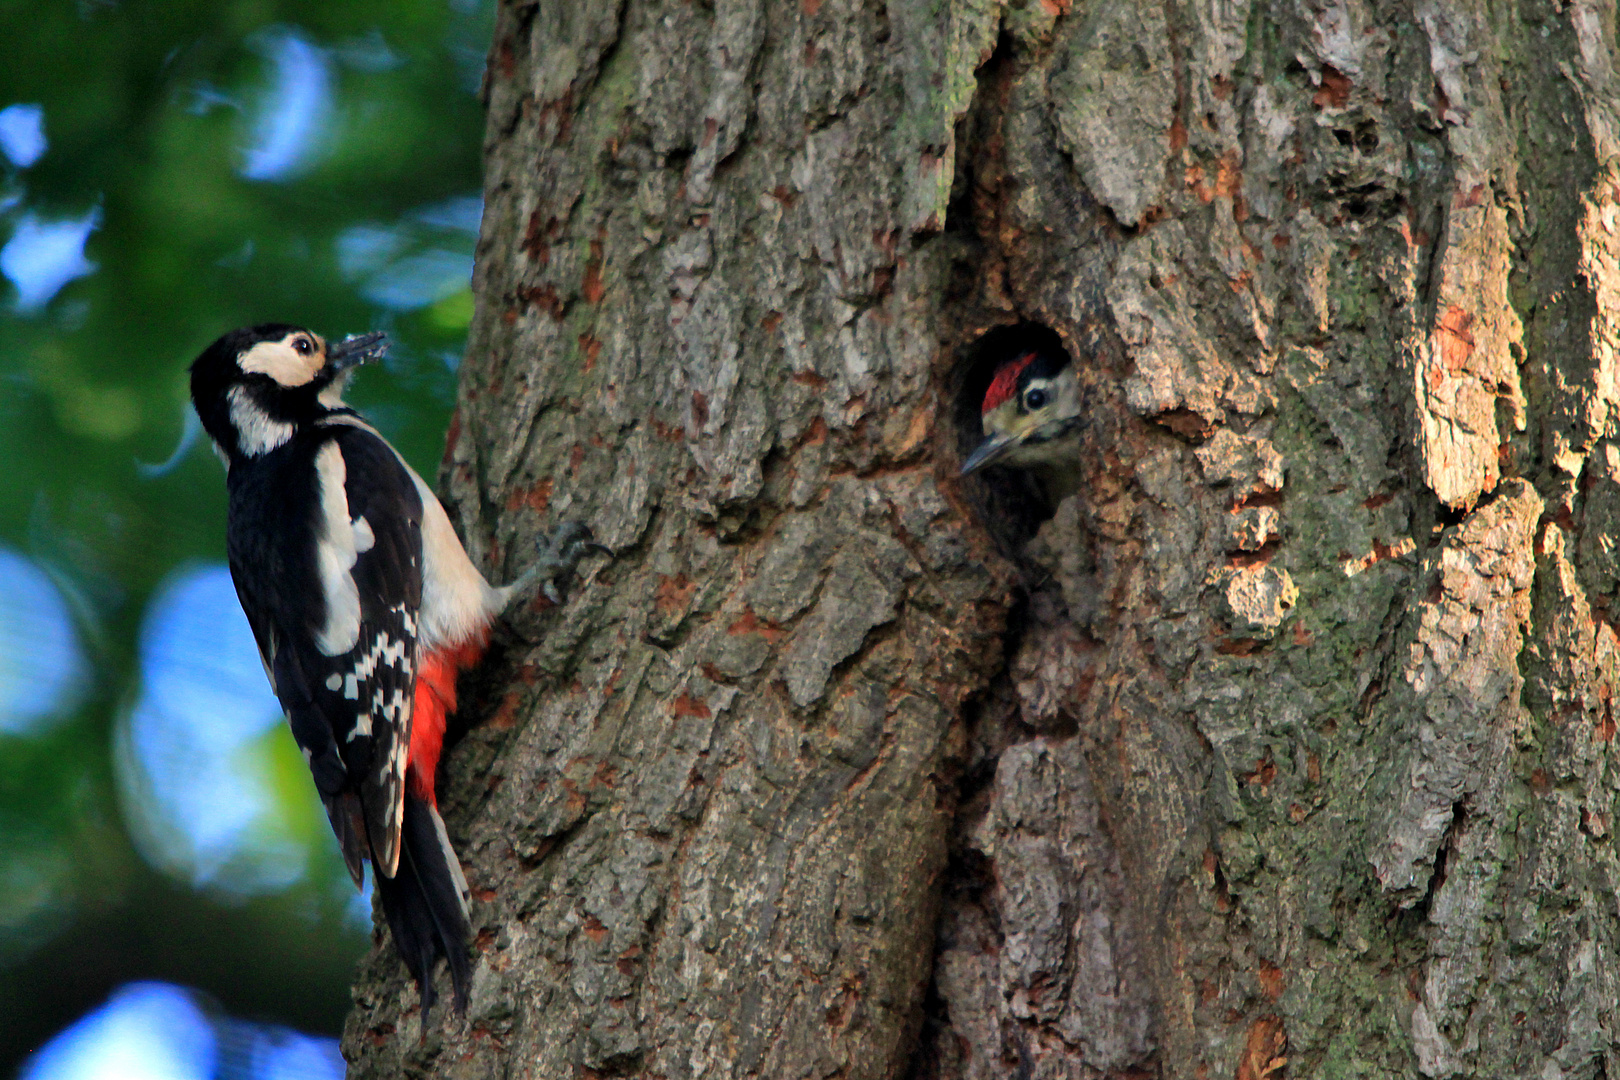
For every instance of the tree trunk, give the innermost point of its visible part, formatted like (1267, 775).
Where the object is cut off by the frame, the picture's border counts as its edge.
(1281, 750)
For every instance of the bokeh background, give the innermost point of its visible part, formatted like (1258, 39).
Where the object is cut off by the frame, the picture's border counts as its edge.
(171, 902)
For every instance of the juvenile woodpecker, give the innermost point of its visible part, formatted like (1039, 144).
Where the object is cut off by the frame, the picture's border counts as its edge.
(1031, 418)
(364, 607)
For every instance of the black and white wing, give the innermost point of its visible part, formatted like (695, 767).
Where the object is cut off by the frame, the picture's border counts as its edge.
(385, 514)
(333, 603)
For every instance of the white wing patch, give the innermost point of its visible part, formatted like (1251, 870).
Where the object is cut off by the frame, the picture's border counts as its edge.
(456, 600)
(257, 432)
(364, 538)
(335, 555)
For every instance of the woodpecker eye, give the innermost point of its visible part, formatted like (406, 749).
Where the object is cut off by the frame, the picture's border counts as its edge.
(1035, 398)
(303, 346)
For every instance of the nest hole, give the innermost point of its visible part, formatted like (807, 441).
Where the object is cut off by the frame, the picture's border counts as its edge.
(1009, 501)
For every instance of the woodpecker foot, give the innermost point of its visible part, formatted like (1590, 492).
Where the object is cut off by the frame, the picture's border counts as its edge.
(559, 556)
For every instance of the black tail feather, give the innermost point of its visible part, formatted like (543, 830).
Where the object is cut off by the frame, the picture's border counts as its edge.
(424, 905)
(349, 826)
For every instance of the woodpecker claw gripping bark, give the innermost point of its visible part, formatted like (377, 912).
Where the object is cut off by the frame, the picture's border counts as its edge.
(364, 607)
(559, 555)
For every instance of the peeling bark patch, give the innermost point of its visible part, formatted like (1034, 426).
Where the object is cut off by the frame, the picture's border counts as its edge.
(1334, 91)
(506, 716)
(452, 436)
(687, 707)
(749, 623)
(543, 297)
(1254, 600)
(560, 113)
(535, 239)
(1250, 465)
(1271, 981)
(1381, 552)
(1465, 367)
(536, 498)
(1264, 1050)
(592, 288)
(1263, 775)
(590, 347)
(1456, 342)
(674, 593)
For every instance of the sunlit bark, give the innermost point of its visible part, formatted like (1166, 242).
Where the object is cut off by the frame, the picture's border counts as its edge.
(1281, 749)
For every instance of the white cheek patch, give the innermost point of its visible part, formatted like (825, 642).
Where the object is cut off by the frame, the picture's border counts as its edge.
(332, 396)
(335, 555)
(257, 432)
(280, 361)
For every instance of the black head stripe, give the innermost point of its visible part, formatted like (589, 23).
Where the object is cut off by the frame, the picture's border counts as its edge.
(1044, 366)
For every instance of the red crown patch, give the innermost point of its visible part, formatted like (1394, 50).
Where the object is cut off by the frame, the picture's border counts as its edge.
(1005, 384)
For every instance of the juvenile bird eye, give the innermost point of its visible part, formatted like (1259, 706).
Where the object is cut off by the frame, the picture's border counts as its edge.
(303, 346)
(1035, 399)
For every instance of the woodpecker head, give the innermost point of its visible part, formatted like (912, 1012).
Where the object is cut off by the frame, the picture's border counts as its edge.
(254, 387)
(1031, 418)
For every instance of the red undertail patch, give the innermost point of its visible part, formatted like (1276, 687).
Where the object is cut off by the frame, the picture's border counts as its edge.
(1005, 384)
(435, 699)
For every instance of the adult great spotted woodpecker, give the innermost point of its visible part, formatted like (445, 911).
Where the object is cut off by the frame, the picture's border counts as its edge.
(1031, 417)
(364, 607)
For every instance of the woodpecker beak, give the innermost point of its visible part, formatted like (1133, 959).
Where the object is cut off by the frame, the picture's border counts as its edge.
(988, 453)
(355, 350)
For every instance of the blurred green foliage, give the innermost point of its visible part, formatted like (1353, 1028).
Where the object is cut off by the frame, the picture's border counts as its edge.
(149, 111)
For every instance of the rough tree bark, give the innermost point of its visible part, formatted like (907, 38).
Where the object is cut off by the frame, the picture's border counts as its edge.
(1283, 749)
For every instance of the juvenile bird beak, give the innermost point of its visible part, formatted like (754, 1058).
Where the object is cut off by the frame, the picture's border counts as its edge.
(355, 350)
(987, 453)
